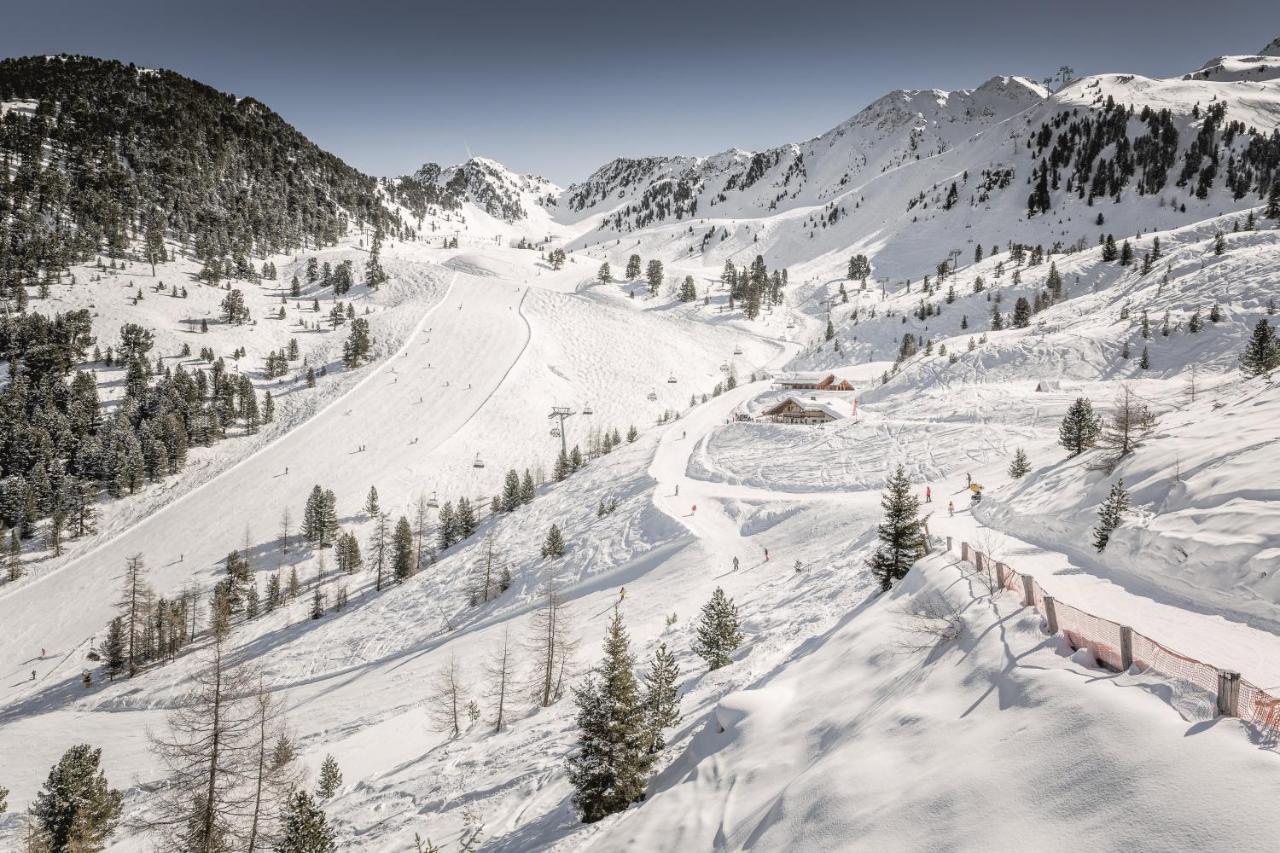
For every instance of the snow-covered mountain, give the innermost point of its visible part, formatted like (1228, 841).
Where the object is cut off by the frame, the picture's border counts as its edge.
(847, 718)
(918, 174)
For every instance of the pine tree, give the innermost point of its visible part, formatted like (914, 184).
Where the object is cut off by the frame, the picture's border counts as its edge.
(661, 697)
(1019, 467)
(317, 603)
(1021, 313)
(1080, 427)
(605, 275)
(114, 651)
(633, 268)
(553, 545)
(901, 537)
(511, 491)
(1110, 515)
(76, 811)
(1145, 361)
(1262, 352)
(402, 550)
(306, 829)
(611, 764)
(1126, 254)
(717, 634)
(446, 527)
(330, 778)
(527, 490)
(653, 272)
(466, 519)
(1273, 200)
(371, 503)
(1109, 251)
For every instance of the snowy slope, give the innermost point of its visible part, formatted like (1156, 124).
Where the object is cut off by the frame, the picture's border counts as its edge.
(839, 725)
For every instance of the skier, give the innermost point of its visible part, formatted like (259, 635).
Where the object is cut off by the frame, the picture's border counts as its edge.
(735, 564)
(33, 675)
(766, 555)
(968, 479)
(928, 494)
(677, 490)
(286, 469)
(42, 652)
(693, 509)
(622, 593)
(799, 567)
(951, 507)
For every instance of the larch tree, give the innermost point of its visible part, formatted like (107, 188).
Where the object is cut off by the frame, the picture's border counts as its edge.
(1131, 421)
(275, 771)
(500, 670)
(550, 646)
(206, 802)
(448, 698)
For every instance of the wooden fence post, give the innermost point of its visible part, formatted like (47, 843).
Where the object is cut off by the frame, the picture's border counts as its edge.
(1051, 614)
(1126, 647)
(1000, 575)
(980, 561)
(1028, 591)
(1228, 693)
(964, 551)
(948, 543)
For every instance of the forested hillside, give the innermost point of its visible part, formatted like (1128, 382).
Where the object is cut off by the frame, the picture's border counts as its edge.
(97, 153)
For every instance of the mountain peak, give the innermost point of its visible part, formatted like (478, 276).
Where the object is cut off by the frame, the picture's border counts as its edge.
(1272, 49)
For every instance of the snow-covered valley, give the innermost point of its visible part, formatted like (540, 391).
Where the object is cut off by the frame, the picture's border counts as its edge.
(936, 715)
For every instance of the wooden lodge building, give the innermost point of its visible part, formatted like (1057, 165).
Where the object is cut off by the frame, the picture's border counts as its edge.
(798, 410)
(815, 381)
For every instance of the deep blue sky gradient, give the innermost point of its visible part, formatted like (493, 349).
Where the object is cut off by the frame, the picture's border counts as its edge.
(557, 88)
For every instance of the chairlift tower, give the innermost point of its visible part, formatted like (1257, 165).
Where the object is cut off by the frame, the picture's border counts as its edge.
(562, 412)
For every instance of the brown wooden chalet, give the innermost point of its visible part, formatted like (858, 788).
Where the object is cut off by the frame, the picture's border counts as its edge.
(812, 382)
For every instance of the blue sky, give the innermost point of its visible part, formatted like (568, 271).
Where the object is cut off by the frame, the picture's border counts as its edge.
(557, 88)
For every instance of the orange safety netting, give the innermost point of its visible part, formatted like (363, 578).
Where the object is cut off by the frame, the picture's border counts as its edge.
(1102, 637)
(1261, 709)
(1086, 631)
(1148, 654)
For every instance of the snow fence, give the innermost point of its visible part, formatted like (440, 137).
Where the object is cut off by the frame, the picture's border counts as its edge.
(1122, 649)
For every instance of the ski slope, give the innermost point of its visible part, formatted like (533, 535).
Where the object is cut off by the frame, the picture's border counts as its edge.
(839, 725)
